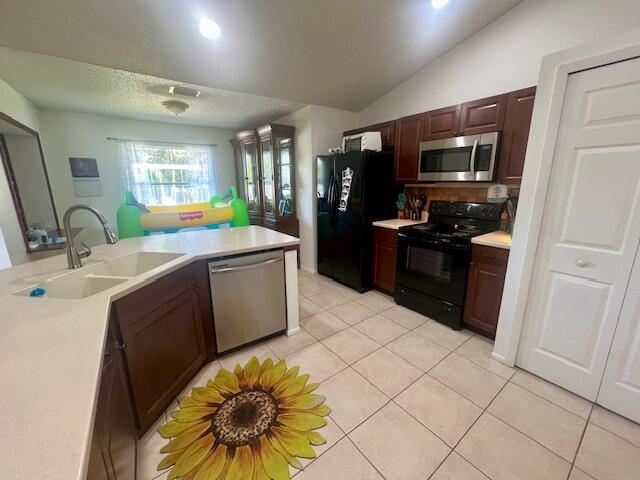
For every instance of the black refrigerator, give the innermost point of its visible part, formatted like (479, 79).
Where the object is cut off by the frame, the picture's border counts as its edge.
(353, 190)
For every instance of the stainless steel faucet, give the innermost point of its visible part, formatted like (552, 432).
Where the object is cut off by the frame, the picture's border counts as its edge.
(74, 255)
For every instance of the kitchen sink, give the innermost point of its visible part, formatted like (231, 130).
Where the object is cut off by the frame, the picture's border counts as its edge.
(134, 264)
(77, 285)
(88, 281)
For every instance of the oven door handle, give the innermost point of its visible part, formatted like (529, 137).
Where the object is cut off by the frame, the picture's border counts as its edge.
(472, 165)
(421, 242)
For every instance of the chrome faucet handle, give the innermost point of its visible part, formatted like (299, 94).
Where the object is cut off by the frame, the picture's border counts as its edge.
(85, 252)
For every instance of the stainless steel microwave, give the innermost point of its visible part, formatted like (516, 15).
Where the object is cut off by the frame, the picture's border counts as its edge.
(470, 158)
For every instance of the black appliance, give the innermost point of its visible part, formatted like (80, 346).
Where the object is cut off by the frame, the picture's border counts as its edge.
(433, 258)
(353, 189)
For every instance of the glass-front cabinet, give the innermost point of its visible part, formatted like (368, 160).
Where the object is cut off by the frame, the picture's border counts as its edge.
(248, 172)
(268, 193)
(265, 163)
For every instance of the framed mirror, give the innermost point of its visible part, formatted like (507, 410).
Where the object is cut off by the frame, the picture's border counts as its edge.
(26, 172)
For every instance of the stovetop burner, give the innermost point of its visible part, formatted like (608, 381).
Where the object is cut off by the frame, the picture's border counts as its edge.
(454, 230)
(458, 220)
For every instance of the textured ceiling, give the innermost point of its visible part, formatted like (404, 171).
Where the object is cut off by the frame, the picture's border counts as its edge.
(68, 85)
(339, 53)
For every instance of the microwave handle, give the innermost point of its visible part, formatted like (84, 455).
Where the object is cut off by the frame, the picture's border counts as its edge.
(473, 157)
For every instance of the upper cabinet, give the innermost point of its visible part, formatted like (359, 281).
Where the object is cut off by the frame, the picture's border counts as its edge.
(515, 134)
(509, 113)
(386, 129)
(442, 123)
(265, 164)
(409, 131)
(482, 116)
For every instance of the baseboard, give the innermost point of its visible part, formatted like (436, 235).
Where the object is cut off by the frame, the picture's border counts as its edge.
(500, 358)
(293, 331)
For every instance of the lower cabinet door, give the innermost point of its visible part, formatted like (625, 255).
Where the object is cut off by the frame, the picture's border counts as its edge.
(385, 249)
(484, 295)
(122, 443)
(164, 350)
(97, 468)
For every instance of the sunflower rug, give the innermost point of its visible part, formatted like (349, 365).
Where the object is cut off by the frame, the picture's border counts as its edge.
(249, 424)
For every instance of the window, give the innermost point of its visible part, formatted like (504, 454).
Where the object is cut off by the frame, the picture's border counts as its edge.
(168, 173)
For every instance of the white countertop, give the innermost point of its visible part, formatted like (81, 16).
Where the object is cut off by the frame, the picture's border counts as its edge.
(51, 349)
(497, 239)
(396, 223)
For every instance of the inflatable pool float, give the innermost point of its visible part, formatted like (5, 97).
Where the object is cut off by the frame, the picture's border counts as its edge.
(136, 219)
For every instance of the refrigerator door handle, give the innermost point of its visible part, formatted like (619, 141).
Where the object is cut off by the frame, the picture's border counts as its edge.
(335, 201)
(330, 198)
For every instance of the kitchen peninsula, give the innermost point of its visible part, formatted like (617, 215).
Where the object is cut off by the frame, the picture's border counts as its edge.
(50, 397)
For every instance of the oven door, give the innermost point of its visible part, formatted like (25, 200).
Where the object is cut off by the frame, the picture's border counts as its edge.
(460, 159)
(433, 269)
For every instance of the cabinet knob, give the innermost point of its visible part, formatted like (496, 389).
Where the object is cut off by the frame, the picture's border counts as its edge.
(581, 262)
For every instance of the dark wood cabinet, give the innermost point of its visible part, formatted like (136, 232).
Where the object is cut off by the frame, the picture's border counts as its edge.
(265, 166)
(409, 132)
(442, 123)
(113, 447)
(245, 146)
(386, 129)
(509, 113)
(515, 135)
(484, 115)
(167, 329)
(487, 270)
(385, 249)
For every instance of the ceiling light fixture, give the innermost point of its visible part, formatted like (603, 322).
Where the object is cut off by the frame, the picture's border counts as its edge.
(209, 29)
(176, 107)
(439, 3)
(184, 91)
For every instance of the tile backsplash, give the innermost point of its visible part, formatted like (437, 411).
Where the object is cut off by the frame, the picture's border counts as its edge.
(455, 193)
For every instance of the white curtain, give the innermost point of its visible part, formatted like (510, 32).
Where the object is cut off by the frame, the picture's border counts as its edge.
(168, 173)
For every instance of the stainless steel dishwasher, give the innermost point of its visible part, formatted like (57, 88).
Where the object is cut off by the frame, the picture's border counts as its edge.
(248, 296)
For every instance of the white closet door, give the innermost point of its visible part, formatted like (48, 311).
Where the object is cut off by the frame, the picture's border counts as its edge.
(590, 230)
(620, 389)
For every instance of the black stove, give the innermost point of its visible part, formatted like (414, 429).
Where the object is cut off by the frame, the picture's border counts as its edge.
(433, 258)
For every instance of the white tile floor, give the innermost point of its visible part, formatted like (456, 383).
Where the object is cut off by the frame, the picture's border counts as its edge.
(413, 399)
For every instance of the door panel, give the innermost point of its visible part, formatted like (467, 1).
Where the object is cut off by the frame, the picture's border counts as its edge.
(573, 311)
(620, 389)
(484, 115)
(590, 231)
(585, 212)
(165, 349)
(348, 235)
(442, 123)
(409, 131)
(324, 191)
(515, 135)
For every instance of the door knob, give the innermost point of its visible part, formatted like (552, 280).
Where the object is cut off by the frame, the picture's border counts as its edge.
(581, 262)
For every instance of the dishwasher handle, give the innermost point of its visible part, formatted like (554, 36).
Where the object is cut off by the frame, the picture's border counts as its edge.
(244, 267)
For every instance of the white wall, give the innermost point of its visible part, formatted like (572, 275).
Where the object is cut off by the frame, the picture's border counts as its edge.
(19, 108)
(71, 134)
(317, 129)
(505, 55)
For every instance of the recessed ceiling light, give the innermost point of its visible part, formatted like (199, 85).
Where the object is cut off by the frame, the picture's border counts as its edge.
(439, 3)
(209, 29)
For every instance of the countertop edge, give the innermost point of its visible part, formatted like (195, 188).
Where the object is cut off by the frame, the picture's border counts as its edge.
(497, 239)
(396, 223)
